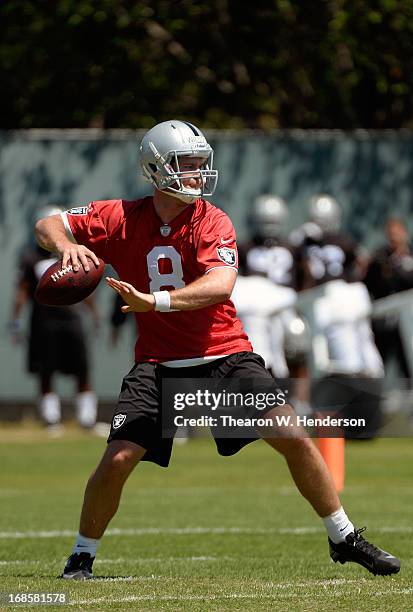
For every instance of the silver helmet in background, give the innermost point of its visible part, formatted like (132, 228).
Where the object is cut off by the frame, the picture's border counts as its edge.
(324, 210)
(269, 216)
(160, 152)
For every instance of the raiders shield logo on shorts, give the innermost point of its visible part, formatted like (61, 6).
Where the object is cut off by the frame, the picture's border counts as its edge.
(227, 255)
(118, 420)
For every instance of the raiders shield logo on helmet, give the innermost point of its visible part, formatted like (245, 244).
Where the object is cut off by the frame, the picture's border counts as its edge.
(227, 255)
(118, 420)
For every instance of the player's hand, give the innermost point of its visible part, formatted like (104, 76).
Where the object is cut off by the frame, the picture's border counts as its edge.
(77, 255)
(135, 300)
(15, 329)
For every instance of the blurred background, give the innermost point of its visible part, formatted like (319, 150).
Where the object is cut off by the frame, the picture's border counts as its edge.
(300, 101)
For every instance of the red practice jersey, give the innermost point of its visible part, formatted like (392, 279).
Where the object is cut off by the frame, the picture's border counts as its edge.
(153, 256)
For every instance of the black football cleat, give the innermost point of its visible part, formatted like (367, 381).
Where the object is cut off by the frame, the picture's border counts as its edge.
(78, 567)
(356, 549)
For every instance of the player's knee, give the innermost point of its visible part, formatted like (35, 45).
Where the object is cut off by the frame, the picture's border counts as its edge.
(120, 459)
(292, 446)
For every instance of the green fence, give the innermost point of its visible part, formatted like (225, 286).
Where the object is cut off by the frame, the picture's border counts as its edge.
(371, 174)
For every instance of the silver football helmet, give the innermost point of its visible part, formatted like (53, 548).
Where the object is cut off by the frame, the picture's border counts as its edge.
(160, 151)
(325, 211)
(270, 214)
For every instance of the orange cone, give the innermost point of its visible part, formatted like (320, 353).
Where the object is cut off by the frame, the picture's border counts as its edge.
(332, 451)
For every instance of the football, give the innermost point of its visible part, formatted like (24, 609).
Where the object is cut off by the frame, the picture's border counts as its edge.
(63, 286)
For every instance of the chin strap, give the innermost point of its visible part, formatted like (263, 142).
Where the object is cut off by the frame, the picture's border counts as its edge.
(184, 197)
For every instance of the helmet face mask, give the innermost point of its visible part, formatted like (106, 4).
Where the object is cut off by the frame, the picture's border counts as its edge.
(162, 152)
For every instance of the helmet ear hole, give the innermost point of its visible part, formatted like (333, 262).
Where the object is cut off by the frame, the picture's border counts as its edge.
(153, 167)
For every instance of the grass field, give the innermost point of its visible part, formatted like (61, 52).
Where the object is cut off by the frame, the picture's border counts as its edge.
(209, 533)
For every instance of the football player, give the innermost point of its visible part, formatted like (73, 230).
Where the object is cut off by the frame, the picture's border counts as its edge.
(268, 253)
(325, 252)
(176, 257)
(56, 340)
(330, 258)
(390, 270)
(269, 267)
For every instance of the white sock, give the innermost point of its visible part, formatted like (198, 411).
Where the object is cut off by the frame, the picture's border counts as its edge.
(338, 526)
(49, 407)
(86, 408)
(84, 544)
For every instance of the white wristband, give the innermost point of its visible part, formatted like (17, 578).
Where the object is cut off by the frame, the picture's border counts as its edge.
(162, 301)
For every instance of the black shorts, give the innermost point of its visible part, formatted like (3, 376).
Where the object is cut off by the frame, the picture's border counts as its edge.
(57, 346)
(137, 417)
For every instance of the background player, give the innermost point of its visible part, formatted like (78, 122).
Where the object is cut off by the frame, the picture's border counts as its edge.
(265, 295)
(326, 252)
(330, 258)
(57, 340)
(390, 271)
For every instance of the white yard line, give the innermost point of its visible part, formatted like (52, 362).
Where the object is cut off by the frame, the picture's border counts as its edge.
(172, 559)
(132, 560)
(243, 596)
(297, 531)
(136, 598)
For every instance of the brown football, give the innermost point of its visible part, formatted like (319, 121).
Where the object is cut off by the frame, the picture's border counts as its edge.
(62, 286)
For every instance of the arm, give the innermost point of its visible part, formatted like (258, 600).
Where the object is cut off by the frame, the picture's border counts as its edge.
(212, 288)
(21, 298)
(361, 265)
(51, 235)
